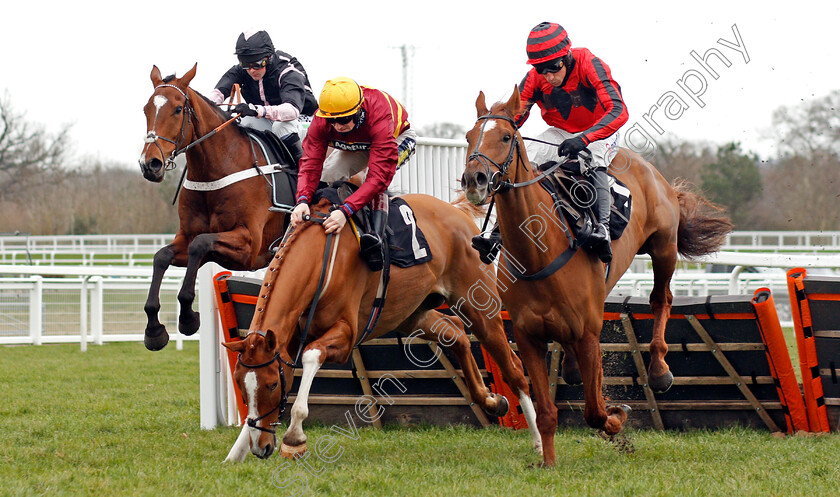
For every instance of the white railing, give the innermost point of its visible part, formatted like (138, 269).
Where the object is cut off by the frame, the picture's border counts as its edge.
(82, 305)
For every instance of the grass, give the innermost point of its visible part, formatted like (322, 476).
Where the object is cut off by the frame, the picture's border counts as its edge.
(119, 420)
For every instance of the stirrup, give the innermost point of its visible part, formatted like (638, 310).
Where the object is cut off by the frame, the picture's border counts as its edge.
(370, 248)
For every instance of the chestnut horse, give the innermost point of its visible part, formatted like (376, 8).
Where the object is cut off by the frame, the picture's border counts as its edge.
(325, 271)
(567, 306)
(228, 221)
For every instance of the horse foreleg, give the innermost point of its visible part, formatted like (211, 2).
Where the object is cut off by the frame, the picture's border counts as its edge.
(588, 350)
(533, 353)
(493, 339)
(664, 261)
(241, 447)
(294, 439)
(231, 248)
(156, 336)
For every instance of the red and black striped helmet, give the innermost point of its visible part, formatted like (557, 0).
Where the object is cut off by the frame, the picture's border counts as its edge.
(547, 41)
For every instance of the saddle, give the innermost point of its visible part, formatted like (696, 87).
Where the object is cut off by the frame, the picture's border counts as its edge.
(574, 198)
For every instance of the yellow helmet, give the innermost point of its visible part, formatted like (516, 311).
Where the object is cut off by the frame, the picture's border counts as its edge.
(340, 97)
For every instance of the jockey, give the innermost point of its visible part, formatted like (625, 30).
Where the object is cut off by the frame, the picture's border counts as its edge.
(366, 127)
(275, 88)
(582, 103)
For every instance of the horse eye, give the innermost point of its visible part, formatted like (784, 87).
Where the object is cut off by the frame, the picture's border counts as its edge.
(273, 386)
(178, 109)
(506, 138)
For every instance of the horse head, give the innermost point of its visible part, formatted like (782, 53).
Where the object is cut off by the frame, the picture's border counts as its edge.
(493, 145)
(264, 378)
(168, 123)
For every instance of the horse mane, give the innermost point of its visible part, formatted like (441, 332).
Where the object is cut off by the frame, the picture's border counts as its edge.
(469, 208)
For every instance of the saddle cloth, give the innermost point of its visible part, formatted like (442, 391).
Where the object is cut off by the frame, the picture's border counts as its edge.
(406, 242)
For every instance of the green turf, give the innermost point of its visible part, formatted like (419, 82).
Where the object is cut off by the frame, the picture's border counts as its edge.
(119, 420)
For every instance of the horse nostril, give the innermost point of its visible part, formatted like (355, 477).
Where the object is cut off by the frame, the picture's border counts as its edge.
(481, 179)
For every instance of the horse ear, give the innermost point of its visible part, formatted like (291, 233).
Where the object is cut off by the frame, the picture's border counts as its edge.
(235, 346)
(156, 79)
(481, 105)
(514, 103)
(185, 80)
(270, 341)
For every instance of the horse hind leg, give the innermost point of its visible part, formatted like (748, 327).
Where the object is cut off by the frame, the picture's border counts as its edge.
(569, 368)
(449, 332)
(664, 258)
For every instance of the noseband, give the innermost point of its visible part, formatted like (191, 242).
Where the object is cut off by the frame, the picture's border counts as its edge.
(281, 406)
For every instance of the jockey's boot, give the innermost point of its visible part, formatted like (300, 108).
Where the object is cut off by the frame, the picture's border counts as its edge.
(371, 244)
(488, 248)
(599, 240)
(292, 143)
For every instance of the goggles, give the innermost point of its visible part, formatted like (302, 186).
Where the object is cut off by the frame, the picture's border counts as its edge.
(341, 120)
(550, 66)
(254, 65)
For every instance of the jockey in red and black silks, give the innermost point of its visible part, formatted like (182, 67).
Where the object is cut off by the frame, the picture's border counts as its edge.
(367, 128)
(582, 103)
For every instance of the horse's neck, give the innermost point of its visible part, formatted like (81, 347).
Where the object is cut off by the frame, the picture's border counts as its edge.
(226, 152)
(531, 230)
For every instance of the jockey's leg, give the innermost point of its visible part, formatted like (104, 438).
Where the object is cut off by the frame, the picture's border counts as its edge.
(600, 238)
(371, 244)
(289, 134)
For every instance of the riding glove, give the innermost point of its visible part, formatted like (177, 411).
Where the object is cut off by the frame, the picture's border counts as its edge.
(246, 110)
(571, 147)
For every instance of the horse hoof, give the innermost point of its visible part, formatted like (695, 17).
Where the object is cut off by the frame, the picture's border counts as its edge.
(187, 326)
(572, 377)
(662, 383)
(156, 342)
(502, 406)
(292, 451)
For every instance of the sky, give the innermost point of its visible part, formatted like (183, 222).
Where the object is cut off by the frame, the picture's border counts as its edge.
(87, 63)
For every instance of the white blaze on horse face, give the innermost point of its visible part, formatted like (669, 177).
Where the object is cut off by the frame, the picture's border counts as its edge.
(251, 393)
(491, 123)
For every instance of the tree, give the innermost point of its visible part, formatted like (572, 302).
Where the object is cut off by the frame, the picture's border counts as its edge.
(676, 158)
(27, 153)
(733, 181)
(442, 130)
(810, 128)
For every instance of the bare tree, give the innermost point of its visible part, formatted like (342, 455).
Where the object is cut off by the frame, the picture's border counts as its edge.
(27, 152)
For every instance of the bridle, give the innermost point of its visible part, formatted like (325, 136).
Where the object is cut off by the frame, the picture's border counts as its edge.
(498, 183)
(281, 406)
(169, 163)
(152, 137)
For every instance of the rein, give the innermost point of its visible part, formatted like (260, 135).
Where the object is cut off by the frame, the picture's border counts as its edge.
(500, 185)
(188, 114)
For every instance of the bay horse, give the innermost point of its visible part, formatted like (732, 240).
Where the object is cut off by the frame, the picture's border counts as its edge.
(309, 259)
(567, 306)
(224, 219)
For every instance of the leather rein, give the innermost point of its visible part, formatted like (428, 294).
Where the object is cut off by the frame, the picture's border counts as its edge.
(499, 184)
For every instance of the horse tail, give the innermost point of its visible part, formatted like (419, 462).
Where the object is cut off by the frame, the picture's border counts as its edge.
(472, 210)
(703, 224)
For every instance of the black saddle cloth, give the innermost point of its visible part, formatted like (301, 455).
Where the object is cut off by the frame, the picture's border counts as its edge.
(284, 179)
(406, 242)
(574, 197)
